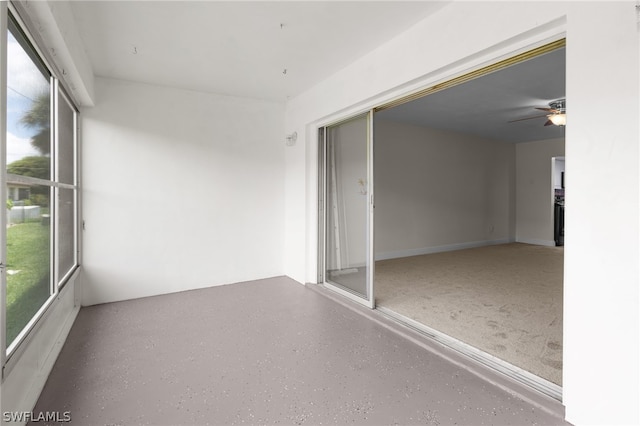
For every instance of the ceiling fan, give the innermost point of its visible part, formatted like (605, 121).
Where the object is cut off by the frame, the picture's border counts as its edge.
(556, 114)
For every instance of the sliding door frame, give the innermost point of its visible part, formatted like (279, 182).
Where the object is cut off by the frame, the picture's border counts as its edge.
(4, 25)
(323, 163)
(496, 63)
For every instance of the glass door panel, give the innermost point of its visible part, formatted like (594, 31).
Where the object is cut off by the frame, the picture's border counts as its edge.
(348, 212)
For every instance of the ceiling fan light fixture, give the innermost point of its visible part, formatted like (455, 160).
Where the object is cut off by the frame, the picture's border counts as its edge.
(558, 119)
(556, 114)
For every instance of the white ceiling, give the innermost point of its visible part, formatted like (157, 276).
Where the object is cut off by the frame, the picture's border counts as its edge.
(484, 106)
(242, 48)
(237, 47)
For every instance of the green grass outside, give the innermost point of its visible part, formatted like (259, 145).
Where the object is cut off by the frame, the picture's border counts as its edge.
(28, 246)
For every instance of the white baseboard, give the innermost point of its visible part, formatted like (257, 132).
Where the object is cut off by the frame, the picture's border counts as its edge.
(440, 249)
(537, 242)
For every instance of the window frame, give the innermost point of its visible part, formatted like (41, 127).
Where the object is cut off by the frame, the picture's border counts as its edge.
(60, 280)
(11, 21)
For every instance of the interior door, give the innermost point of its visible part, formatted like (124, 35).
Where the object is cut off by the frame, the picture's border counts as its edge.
(347, 197)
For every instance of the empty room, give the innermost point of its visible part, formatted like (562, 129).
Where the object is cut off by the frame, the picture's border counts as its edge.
(320, 212)
(464, 214)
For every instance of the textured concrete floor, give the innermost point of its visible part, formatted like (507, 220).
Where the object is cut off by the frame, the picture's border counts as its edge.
(262, 352)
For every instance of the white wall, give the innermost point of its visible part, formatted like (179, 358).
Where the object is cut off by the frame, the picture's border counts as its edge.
(182, 190)
(440, 190)
(534, 189)
(602, 233)
(601, 380)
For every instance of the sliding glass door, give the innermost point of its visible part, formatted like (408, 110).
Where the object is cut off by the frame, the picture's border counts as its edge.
(347, 197)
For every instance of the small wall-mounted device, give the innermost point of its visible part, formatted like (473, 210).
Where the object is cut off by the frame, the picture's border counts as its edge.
(292, 138)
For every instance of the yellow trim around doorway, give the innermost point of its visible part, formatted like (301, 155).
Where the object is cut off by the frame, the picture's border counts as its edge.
(558, 44)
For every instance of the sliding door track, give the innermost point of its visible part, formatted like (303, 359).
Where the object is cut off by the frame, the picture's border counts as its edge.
(516, 373)
(518, 382)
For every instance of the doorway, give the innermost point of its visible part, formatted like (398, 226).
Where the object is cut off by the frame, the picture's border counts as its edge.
(446, 179)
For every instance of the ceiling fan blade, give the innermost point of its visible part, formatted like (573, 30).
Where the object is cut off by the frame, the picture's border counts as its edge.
(527, 118)
(550, 110)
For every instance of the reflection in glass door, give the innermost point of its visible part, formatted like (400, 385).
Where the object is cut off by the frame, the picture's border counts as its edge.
(348, 201)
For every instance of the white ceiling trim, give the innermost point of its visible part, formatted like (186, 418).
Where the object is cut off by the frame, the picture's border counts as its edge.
(53, 27)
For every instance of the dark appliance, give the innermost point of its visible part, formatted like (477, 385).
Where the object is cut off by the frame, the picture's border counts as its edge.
(558, 220)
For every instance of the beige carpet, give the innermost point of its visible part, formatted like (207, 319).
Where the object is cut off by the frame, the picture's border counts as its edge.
(505, 300)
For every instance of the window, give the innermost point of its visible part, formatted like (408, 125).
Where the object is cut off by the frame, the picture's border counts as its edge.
(66, 190)
(42, 188)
